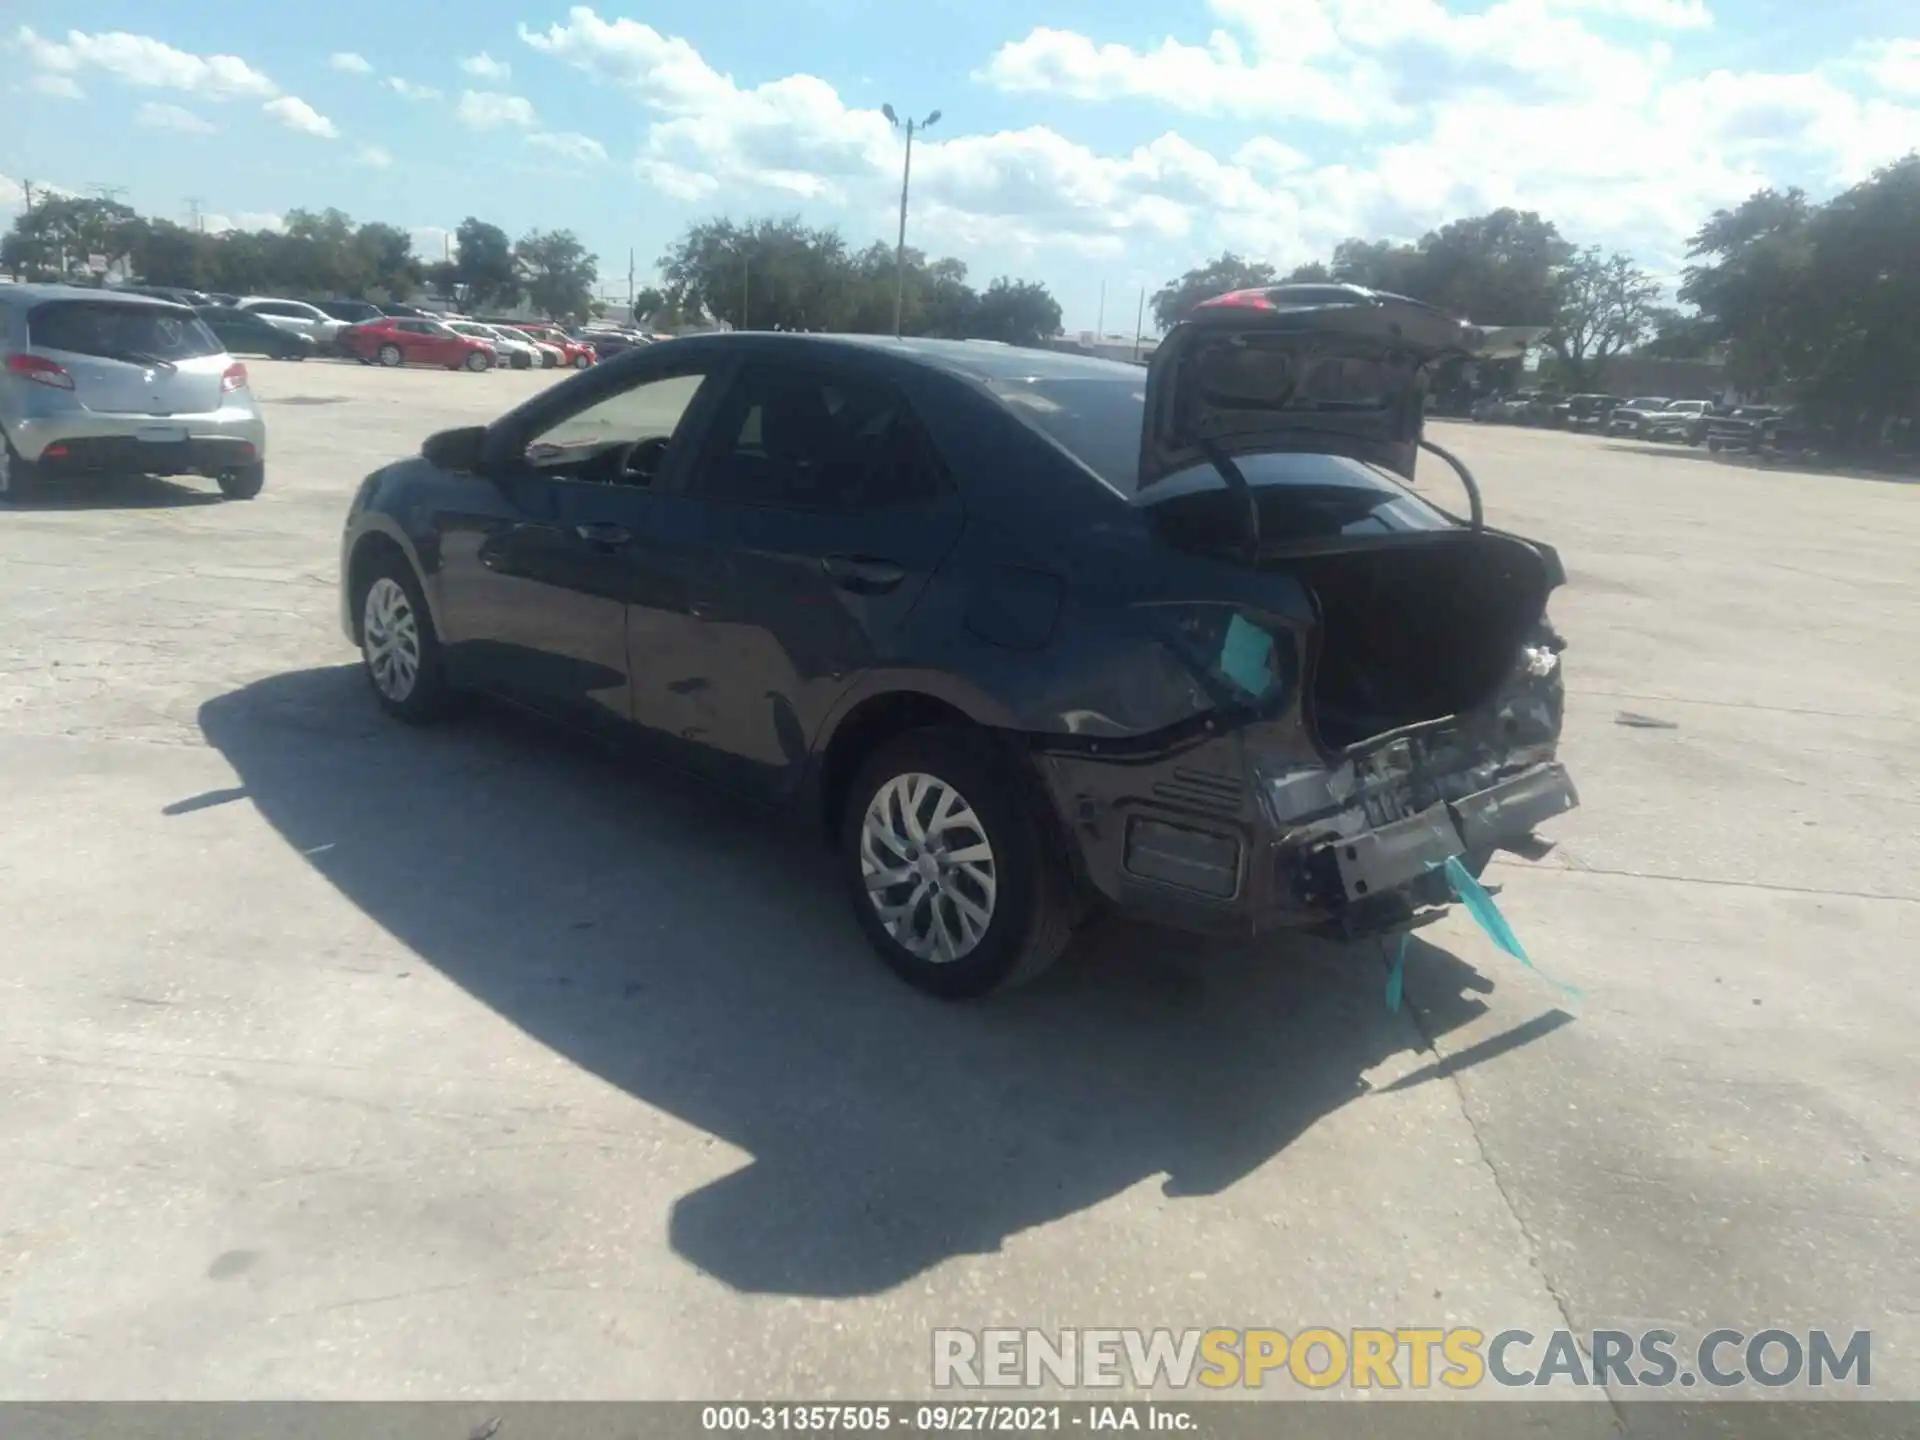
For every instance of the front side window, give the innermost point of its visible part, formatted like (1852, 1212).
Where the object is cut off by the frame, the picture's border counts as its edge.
(625, 421)
(796, 439)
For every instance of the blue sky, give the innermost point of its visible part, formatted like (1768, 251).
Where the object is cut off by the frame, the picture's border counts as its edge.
(1081, 144)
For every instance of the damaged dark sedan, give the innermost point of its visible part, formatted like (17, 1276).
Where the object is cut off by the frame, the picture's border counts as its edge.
(1027, 636)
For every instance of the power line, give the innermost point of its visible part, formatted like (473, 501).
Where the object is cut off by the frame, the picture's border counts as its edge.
(109, 193)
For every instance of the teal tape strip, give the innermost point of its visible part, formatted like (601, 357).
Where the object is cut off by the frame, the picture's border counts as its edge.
(1397, 976)
(1471, 893)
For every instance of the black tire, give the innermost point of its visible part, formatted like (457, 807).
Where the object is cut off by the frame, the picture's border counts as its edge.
(390, 355)
(243, 483)
(1032, 913)
(19, 479)
(429, 698)
(478, 361)
(1714, 446)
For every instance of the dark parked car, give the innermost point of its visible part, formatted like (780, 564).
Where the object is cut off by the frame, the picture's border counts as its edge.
(1026, 635)
(1585, 412)
(1740, 428)
(244, 333)
(1683, 420)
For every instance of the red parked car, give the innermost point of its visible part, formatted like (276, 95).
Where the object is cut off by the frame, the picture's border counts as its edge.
(576, 353)
(404, 340)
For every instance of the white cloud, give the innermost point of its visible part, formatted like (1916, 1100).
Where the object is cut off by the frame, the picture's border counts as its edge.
(484, 67)
(60, 87)
(350, 63)
(172, 117)
(374, 157)
(143, 61)
(1895, 65)
(296, 114)
(489, 110)
(1447, 114)
(569, 145)
(407, 90)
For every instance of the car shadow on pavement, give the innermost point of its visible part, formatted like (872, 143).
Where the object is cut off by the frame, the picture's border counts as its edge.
(119, 492)
(703, 959)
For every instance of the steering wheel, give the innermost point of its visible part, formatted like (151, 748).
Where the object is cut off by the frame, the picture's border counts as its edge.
(642, 460)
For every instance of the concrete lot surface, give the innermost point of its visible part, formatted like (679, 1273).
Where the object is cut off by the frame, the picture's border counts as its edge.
(345, 1061)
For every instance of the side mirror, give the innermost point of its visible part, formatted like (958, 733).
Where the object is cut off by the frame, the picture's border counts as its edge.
(457, 450)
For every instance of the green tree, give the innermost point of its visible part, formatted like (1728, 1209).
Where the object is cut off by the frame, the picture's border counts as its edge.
(1225, 272)
(1606, 305)
(557, 272)
(1679, 337)
(1018, 312)
(483, 266)
(61, 232)
(386, 260)
(762, 274)
(649, 303)
(168, 254)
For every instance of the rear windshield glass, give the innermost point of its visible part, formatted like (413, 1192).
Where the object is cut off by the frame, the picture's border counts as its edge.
(138, 334)
(1098, 421)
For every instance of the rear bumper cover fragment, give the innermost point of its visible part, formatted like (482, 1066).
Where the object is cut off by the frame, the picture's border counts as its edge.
(1395, 855)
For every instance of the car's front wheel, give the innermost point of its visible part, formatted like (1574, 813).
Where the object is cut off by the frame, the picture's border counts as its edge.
(389, 355)
(944, 858)
(398, 645)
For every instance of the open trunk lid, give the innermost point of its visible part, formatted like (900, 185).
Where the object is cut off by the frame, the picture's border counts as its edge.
(1331, 369)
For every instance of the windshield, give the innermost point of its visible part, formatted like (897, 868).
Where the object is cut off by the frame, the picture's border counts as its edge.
(137, 334)
(1647, 402)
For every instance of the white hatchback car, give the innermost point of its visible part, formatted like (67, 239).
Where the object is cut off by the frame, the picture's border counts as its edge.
(103, 382)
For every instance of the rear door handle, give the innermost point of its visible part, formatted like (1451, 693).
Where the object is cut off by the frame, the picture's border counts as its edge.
(863, 574)
(604, 532)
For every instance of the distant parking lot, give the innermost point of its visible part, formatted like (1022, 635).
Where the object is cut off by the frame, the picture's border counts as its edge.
(347, 1061)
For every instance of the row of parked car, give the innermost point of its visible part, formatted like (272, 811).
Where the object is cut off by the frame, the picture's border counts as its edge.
(1647, 417)
(394, 334)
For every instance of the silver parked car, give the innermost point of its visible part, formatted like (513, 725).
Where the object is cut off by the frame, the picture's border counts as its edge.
(296, 317)
(99, 382)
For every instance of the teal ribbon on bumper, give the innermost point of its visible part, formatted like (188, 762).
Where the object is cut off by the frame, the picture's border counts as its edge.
(1472, 894)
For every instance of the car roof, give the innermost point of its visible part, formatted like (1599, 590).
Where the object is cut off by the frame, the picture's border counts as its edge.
(27, 296)
(973, 359)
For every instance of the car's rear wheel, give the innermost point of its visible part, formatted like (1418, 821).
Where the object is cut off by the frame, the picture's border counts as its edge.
(943, 854)
(581, 362)
(478, 361)
(398, 645)
(242, 483)
(389, 355)
(18, 478)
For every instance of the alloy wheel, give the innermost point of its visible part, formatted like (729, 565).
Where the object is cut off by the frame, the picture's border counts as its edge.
(929, 867)
(390, 639)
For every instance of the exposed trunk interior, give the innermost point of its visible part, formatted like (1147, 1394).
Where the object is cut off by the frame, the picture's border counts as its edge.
(1418, 631)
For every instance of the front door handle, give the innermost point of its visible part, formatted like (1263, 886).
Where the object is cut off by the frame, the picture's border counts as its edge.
(862, 574)
(604, 532)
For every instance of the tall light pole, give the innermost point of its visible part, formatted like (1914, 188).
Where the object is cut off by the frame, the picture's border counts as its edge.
(906, 174)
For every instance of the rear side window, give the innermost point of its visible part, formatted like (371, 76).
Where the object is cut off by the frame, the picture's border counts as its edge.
(1096, 421)
(806, 440)
(138, 334)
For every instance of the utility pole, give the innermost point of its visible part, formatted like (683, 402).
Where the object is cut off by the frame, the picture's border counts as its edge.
(1140, 323)
(632, 294)
(198, 221)
(27, 187)
(1100, 325)
(746, 288)
(906, 175)
(109, 193)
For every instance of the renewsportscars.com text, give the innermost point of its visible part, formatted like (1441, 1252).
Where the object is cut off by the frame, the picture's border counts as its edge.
(1405, 1357)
